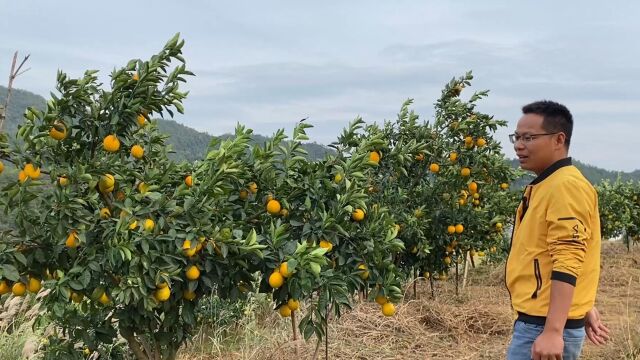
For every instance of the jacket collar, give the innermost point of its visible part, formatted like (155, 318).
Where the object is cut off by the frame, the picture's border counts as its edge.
(551, 169)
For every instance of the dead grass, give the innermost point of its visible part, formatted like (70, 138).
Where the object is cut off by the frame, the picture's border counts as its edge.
(475, 325)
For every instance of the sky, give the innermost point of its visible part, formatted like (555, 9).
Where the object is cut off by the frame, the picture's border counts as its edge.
(268, 64)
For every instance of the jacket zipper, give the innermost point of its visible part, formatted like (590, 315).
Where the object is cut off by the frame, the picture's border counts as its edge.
(536, 271)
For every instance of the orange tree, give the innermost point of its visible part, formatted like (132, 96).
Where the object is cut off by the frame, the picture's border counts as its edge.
(120, 234)
(619, 207)
(323, 240)
(449, 190)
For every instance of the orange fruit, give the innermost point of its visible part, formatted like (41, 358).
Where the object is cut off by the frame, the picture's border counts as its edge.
(22, 176)
(133, 225)
(34, 285)
(244, 194)
(499, 226)
(187, 250)
(107, 183)
(1, 167)
(137, 151)
(453, 156)
(253, 187)
(149, 225)
(434, 168)
(284, 311)
(473, 187)
(284, 212)
(136, 77)
(276, 280)
(19, 289)
(358, 215)
(111, 143)
(188, 181)
(459, 229)
(58, 131)
(337, 178)
(465, 172)
(189, 295)
(504, 186)
(105, 213)
(32, 171)
(63, 181)
(481, 142)
(468, 140)
(76, 297)
(141, 120)
(326, 245)
(4, 287)
(284, 270)
(420, 157)
(364, 274)
(193, 273)
(293, 304)
(273, 207)
(451, 229)
(374, 156)
(162, 294)
(104, 299)
(381, 299)
(72, 240)
(388, 309)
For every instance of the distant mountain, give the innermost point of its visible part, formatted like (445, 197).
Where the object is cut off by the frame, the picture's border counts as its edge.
(190, 144)
(187, 143)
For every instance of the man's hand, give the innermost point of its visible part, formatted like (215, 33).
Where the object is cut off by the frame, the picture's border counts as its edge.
(597, 332)
(548, 346)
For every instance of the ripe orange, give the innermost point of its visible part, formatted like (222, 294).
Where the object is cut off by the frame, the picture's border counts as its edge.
(388, 309)
(326, 245)
(137, 151)
(253, 187)
(504, 186)
(188, 181)
(459, 229)
(63, 181)
(481, 142)
(106, 183)
(105, 213)
(273, 207)
(284, 311)
(111, 143)
(358, 215)
(193, 273)
(58, 131)
(31, 171)
(451, 229)
(381, 299)
(465, 172)
(4, 287)
(189, 295)
(284, 270)
(34, 285)
(141, 120)
(453, 156)
(187, 250)
(19, 289)
(473, 187)
(72, 239)
(434, 168)
(276, 280)
(293, 304)
(374, 156)
(162, 294)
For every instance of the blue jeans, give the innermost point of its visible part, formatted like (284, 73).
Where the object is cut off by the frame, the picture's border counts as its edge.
(525, 334)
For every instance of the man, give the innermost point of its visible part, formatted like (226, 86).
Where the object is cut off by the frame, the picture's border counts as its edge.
(554, 263)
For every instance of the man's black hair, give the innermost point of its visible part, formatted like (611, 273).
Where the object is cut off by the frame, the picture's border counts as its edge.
(557, 118)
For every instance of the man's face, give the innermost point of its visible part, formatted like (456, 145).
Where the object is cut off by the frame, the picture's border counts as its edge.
(539, 153)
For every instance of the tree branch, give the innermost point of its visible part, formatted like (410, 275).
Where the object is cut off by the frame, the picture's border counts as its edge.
(134, 345)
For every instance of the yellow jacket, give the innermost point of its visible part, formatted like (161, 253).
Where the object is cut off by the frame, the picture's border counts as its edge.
(556, 237)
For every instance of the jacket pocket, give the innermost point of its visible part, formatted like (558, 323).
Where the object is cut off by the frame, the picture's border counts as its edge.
(538, 276)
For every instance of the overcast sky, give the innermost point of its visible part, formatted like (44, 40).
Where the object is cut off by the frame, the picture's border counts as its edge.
(267, 64)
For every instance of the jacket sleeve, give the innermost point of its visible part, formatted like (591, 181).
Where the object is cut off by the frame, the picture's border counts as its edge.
(568, 229)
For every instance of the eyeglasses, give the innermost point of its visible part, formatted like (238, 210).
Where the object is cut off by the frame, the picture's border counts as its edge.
(527, 138)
